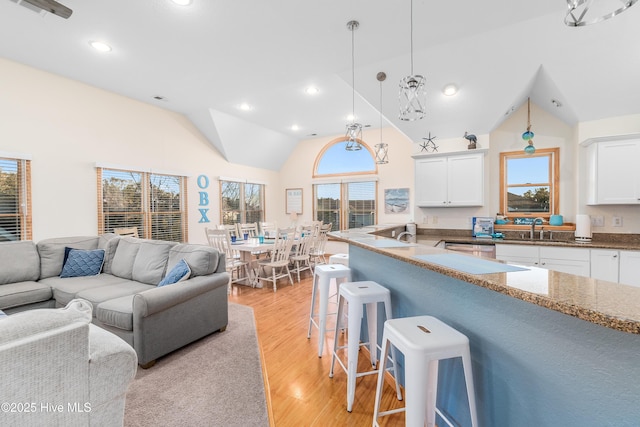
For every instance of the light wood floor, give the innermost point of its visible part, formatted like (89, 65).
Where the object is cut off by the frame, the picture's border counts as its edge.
(300, 392)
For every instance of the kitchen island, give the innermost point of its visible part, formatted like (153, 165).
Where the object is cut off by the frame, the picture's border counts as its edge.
(548, 348)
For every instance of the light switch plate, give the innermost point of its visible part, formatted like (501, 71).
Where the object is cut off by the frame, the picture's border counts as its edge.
(597, 221)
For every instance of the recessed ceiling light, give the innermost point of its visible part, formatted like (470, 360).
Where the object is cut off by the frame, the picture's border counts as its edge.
(245, 107)
(351, 118)
(450, 89)
(100, 46)
(295, 127)
(311, 90)
(182, 2)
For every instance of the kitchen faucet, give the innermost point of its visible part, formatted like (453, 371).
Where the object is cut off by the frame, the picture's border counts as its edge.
(533, 227)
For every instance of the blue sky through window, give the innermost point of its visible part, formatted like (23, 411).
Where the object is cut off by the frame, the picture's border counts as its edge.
(337, 160)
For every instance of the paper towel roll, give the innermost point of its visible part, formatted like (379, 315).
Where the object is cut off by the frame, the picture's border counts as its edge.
(583, 228)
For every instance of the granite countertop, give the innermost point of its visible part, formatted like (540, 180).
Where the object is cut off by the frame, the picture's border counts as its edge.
(608, 304)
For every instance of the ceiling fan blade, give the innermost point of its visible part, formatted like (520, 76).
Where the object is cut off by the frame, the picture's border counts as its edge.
(52, 6)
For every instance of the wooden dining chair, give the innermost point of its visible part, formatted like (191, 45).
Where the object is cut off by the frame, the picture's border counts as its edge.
(250, 228)
(268, 228)
(300, 254)
(316, 253)
(220, 239)
(278, 262)
(126, 231)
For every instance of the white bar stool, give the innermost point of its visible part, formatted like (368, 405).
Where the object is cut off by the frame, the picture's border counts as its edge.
(322, 276)
(339, 259)
(424, 340)
(357, 295)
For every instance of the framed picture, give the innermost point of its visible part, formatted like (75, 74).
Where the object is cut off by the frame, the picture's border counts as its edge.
(293, 200)
(396, 200)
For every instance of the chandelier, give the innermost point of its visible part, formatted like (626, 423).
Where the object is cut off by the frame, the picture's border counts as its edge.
(382, 149)
(413, 96)
(354, 130)
(585, 12)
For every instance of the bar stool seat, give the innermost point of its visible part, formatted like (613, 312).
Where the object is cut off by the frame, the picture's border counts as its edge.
(424, 341)
(358, 295)
(339, 259)
(322, 276)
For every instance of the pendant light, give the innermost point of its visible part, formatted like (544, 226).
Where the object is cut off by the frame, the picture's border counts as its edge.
(354, 130)
(413, 95)
(381, 150)
(528, 135)
(586, 12)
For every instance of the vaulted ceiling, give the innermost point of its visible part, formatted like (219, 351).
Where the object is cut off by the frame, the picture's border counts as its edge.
(206, 59)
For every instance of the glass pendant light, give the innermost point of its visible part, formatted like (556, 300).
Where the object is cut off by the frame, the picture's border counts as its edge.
(382, 149)
(413, 95)
(354, 130)
(528, 135)
(586, 12)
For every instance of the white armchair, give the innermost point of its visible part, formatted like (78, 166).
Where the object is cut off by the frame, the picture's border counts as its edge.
(58, 369)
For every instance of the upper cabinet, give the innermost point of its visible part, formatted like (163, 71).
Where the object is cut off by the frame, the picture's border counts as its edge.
(613, 170)
(450, 180)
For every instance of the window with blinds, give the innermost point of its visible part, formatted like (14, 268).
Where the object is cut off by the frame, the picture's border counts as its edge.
(15, 199)
(155, 204)
(346, 205)
(241, 202)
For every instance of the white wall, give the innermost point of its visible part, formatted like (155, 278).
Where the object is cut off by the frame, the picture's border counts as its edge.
(297, 172)
(66, 127)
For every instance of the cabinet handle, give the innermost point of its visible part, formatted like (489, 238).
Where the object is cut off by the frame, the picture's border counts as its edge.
(615, 256)
(544, 263)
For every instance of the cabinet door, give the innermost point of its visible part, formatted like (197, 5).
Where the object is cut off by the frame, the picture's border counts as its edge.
(518, 254)
(579, 268)
(431, 182)
(604, 265)
(617, 176)
(630, 268)
(465, 178)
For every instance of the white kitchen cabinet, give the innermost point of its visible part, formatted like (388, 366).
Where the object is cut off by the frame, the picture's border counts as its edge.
(630, 268)
(566, 260)
(605, 264)
(449, 180)
(614, 176)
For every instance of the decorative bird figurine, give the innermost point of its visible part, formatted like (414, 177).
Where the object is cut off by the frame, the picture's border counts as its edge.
(472, 140)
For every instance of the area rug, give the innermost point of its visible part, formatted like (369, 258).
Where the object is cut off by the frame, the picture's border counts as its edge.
(216, 381)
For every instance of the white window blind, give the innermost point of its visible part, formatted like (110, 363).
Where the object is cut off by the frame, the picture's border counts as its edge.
(155, 204)
(15, 199)
(346, 205)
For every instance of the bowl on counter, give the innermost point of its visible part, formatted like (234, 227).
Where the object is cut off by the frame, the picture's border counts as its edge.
(556, 220)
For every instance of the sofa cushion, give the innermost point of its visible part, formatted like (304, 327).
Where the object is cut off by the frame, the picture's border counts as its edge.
(117, 312)
(66, 289)
(23, 259)
(52, 252)
(178, 273)
(151, 261)
(108, 242)
(81, 262)
(31, 322)
(23, 293)
(125, 256)
(202, 260)
(104, 293)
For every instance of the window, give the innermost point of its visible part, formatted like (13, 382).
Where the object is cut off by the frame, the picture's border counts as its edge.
(347, 202)
(529, 183)
(15, 199)
(241, 202)
(153, 203)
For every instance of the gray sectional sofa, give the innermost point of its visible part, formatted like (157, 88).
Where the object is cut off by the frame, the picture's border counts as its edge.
(125, 295)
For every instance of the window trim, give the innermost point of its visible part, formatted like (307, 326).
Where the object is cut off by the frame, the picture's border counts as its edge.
(554, 170)
(343, 210)
(242, 196)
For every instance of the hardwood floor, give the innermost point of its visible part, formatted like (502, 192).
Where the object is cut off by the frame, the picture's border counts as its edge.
(300, 392)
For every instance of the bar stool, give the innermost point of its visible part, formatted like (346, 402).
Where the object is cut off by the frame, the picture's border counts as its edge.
(322, 276)
(357, 295)
(339, 259)
(424, 340)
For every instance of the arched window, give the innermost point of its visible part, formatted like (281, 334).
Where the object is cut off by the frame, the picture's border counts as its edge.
(347, 198)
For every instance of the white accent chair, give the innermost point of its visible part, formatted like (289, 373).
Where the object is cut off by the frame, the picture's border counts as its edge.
(221, 240)
(278, 262)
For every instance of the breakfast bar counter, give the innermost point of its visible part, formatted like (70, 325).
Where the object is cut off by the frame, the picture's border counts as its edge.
(548, 348)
